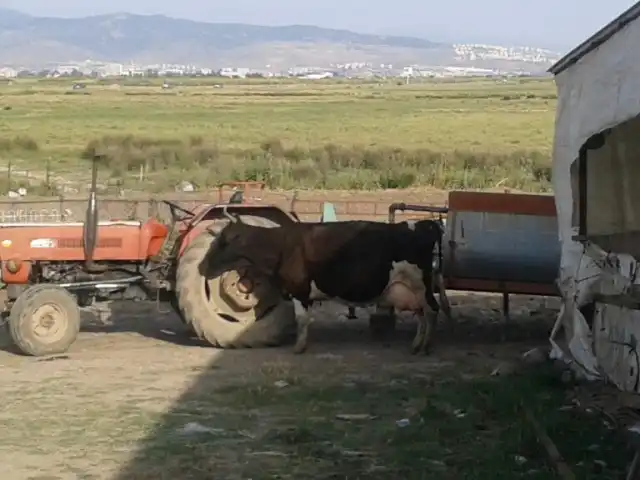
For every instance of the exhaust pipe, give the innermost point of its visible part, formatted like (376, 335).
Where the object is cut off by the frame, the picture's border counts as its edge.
(90, 228)
(233, 218)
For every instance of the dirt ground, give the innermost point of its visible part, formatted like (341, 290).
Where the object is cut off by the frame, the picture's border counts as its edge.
(134, 398)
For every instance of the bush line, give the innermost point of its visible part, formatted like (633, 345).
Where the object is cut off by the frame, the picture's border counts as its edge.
(206, 164)
(329, 167)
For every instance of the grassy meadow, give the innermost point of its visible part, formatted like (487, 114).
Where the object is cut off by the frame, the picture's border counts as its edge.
(302, 134)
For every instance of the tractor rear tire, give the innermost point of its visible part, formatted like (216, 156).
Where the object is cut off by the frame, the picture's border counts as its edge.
(273, 328)
(44, 303)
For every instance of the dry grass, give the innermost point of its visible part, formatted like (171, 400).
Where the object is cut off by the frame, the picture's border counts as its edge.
(316, 135)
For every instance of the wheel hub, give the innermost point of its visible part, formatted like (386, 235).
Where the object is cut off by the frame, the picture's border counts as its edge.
(245, 285)
(239, 289)
(49, 323)
(241, 294)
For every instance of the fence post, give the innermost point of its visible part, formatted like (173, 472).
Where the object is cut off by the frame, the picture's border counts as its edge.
(134, 213)
(47, 174)
(62, 212)
(152, 209)
(8, 177)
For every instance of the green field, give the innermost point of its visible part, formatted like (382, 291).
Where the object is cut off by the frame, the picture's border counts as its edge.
(303, 134)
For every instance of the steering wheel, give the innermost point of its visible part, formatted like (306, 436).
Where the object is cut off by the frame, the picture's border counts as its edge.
(174, 208)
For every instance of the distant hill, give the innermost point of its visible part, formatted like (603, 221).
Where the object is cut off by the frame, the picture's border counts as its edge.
(157, 38)
(29, 41)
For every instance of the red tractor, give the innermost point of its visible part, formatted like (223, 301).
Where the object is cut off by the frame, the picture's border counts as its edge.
(49, 270)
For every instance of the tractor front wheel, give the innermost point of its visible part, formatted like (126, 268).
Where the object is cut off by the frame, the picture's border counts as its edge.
(44, 320)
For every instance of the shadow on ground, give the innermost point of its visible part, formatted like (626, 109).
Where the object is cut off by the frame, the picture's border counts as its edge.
(355, 408)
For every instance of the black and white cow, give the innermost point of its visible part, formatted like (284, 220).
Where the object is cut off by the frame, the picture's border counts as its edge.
(355, 263)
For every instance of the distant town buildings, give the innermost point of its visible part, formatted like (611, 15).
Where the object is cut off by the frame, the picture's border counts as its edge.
(7, 72)
(462, 53)
(476, 51)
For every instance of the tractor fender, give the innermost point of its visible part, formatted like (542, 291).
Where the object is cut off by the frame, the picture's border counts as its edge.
(215, 213)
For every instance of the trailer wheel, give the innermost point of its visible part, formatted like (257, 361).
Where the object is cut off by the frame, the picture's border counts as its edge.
(217, 309)
(44, 320)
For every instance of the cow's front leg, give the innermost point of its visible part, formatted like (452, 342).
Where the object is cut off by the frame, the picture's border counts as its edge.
(303, 320)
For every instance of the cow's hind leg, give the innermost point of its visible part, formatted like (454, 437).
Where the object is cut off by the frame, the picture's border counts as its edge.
(303, 320)
(418, 340)
(430, 321)
(427, 323)
(442, 295)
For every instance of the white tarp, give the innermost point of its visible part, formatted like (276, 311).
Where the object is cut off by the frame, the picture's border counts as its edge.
(599, 92)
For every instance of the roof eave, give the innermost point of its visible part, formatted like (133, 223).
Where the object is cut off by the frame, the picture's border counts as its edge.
(597, 39)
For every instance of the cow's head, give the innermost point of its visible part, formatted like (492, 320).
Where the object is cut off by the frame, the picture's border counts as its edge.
(431, 229)
(260, 246)
(232, 232)
(414, 240)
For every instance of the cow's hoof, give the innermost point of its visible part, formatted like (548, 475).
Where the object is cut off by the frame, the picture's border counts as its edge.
(422, 348)
(417, 343)
(424, 351)
(420, 351)
(298, 349)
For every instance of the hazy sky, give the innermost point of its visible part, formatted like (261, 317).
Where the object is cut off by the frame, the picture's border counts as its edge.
(553, 23)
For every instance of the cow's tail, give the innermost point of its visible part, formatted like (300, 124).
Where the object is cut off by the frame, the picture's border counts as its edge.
(439, 247)
(439, 275)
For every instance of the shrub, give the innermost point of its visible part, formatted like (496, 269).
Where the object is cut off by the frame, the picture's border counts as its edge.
(19, 142)
(329, 166)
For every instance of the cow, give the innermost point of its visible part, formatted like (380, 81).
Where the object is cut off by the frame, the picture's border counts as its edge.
(354, 262)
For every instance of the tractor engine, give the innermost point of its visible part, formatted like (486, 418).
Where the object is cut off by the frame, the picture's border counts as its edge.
(59, 273)
(113, 284)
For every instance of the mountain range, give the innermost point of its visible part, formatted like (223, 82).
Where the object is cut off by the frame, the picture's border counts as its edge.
(28, 40)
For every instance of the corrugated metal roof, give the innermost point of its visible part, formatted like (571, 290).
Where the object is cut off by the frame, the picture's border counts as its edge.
(596, 39)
